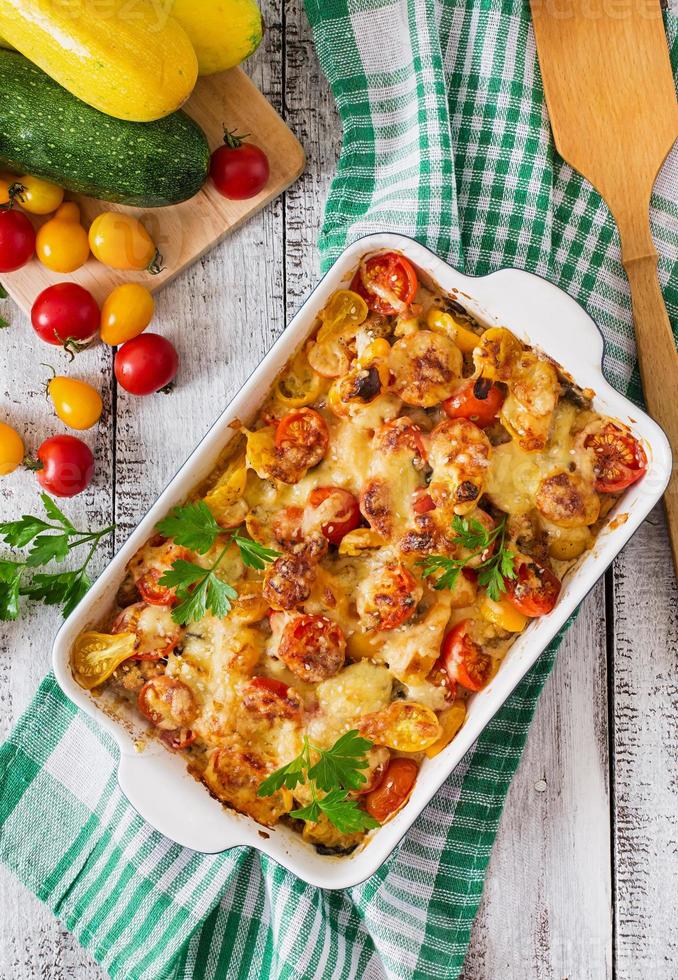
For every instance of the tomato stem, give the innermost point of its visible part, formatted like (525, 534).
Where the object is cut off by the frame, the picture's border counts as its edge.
(233, 140)
(33, 464)
(155, 266)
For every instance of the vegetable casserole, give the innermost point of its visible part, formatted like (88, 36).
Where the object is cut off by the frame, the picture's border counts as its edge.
(309, 626)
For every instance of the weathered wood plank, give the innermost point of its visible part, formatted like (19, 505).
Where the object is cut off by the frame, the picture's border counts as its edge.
(645, 739)
(546, 908)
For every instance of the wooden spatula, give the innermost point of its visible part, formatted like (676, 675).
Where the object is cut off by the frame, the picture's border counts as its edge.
(612, 103)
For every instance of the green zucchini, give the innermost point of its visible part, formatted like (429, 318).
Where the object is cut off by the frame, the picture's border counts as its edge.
(47, 132)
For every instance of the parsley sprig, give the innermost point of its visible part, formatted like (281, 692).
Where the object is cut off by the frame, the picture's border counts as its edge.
(492, 572)
(200, 589)
(333, 772)
(50, 540)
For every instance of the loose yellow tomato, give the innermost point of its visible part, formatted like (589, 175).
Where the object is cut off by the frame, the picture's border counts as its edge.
(126, 313)
(76, 403)
(11, 449)
(503, 614)
(120, 241)
(62, 244)
(5, 184)
(37, 196)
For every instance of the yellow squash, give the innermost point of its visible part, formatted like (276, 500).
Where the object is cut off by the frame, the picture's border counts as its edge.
(223, 32)
(130, 61)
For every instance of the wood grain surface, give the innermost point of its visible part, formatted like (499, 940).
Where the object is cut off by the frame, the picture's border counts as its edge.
(185, 232)
(583, 881)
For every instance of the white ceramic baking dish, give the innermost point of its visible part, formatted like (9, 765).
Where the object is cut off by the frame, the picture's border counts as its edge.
(155, 781)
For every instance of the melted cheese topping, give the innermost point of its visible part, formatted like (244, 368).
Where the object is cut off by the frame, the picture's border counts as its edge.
(238, 668)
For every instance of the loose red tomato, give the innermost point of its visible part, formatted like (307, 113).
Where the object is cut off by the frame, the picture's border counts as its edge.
(620, 459)
(239, 170)
(393, 791)
(465, 661)
(387, 283)
(479, 401)
(303, 436)
(344, 511)
(535, 589)
(65, 466)
(313, 647)
(146, 364)
(66, 315)
(17, 240)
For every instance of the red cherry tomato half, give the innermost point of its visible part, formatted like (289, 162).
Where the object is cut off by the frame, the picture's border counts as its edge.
(387, 283)
(17, 240)
(478, 401)
(66, 315)
(303, 434)
(535, 589)
(153, 593)
(620, 459)
(312, 647)
(465, 661)
(146, 364)
(344, 508)
(239, 170)
(272, 685)
(67, 466)
(393, 791)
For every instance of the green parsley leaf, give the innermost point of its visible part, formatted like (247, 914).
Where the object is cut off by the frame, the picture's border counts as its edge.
(4, 323)
(289, 776)
(340, 765)
(3, 292)
(191, 526)
(47, 547)
(17, 534)
(10, 584)
(335, 771)
(55, 514)
(492, 571)
(198, 590)
(253, 554)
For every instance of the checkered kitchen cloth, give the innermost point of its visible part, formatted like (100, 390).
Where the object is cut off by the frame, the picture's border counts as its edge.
(446, 139)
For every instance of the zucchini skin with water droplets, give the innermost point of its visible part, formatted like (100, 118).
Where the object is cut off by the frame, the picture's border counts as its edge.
(47, 132)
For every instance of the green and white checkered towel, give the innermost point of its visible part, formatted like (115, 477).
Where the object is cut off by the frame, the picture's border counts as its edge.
(446, 139)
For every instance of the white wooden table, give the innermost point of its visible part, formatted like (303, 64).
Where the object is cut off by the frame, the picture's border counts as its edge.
(583, 881)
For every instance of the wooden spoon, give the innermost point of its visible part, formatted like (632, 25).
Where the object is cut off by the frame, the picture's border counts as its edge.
(612, 103)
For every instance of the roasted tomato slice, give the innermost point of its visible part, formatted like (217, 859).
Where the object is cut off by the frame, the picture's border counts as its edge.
(465, 661)
(312, 647)
(399, 434)
(342, 509)
(477, 400)
(422, 502)
(393, 791)
(535, 589)
(303, 436)
(156, 632)
(153, 593)
(168, 703)
(272, 699)
(390, 597)
(387, 283)
(178, 739)
(620, 459)
(405, 726)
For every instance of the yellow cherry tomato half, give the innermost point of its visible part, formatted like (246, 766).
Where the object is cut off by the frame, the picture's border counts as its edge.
(5, 184)
(37, 196)
(76, 403)
(11, 449)
(120, 241)
(62, 244)
(96, 655)
(126, 313)
(405, 726)
(503, 614)
(299, 384)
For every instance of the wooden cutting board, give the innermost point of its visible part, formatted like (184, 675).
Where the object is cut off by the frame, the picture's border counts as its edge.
(184, 232)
